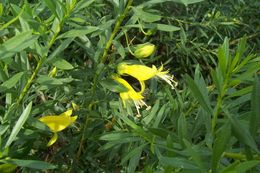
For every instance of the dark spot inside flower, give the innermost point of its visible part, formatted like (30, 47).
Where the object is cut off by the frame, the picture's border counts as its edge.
(133, 82)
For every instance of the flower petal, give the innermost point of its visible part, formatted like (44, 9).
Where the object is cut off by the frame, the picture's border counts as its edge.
(140, 72)
(67, 113)
(58, 123)
(53, 139)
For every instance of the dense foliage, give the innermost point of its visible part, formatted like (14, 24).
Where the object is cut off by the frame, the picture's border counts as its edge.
(65, 102)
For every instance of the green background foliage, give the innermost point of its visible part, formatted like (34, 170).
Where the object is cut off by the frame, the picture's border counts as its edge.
(209, 123)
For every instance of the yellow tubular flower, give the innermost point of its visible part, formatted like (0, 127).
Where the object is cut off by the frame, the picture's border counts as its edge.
(131, 94)
(58, 123)
(142, 73)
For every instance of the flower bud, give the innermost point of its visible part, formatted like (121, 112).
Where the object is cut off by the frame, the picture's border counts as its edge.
(53, 72)
(144, 50)
(75, 106)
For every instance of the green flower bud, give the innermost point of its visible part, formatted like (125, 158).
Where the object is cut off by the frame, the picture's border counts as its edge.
(144, 50)
(53, 72)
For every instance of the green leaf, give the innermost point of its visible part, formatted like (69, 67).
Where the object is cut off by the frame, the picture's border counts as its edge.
(134, 160)
(65, 43)
(217, 79)
(152, 113)
(254, 122)
(119, 47)
(7, 168)
(160, 115)
(83, 4)
(78, 32)
(11, 82)
(195, 155)
(177, 163)
(17, 44)
(34, 164)
(241, 132)
(46, 80)
(243, 167)
(223, 56)
(132, 153)
(116, 136)
(204, 101)
(1, 9)
(167, 28)
(220, 144)
(187, 2)
(136, 129)
(3, 76)
(62, 64)
(241, 92)
(240, 51)
(145, 16)
(52, 6)
(113, 85)
(182, 128)
(19, 124)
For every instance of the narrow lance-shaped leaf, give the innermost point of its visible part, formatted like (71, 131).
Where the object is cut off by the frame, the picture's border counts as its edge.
(19, 124)
(237, 167)
(145, 16)
(195, 155)
(11, 82)
(51, 5)
(254, 123)
(240, 50)
(134, 160)
(62, 64)
(182, 128)
(78, 32)
(222, 138)
(17, 44)
(223, 56)
(198, 95)
(241, 132)
(35, 164)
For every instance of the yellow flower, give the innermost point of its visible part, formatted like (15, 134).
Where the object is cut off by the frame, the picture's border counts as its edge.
(142, 73)
(131, 94)
(58, 123)
(144, 50)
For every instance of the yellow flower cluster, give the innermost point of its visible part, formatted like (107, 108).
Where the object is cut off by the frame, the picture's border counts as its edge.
(141, 73)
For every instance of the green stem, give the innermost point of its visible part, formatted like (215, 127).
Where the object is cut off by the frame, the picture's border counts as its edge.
(82, 139)
(14, 19)
(84, 130)
(29, 82)
(116, 28)
(220, 100)
(41, 61)
(127, 42)
(36, 70)
(109, 43)
(103, 60)
(219, 104)
(215, 114)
